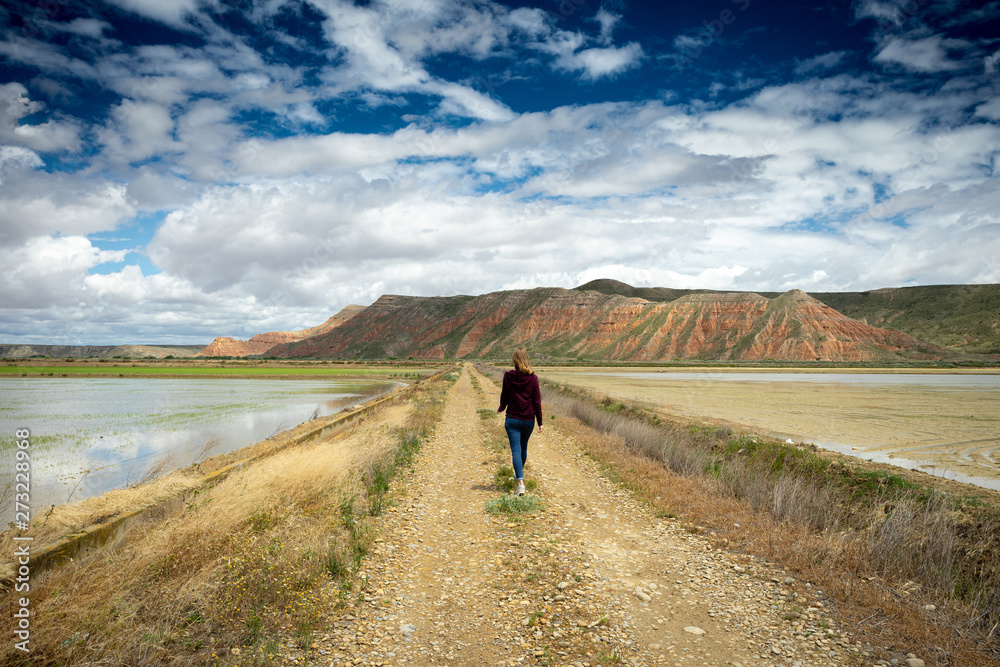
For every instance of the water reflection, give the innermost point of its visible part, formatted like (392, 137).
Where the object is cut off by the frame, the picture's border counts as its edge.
(90, 435)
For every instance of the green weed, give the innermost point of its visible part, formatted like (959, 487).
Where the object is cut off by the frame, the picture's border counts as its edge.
(507, 504)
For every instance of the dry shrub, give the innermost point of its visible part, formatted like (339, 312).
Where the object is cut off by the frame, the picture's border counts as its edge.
(786, 497)
(213, 443)
(911, 539)
(675, 447)
(804, 502)
(745, 482)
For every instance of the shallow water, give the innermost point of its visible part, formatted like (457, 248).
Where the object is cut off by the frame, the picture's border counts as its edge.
(945, 424)
(90, 435)
(929, 466)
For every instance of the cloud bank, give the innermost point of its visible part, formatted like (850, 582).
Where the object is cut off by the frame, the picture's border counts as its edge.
(172, 173)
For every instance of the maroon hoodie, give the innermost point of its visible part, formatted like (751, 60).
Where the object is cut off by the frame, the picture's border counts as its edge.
(520, 396)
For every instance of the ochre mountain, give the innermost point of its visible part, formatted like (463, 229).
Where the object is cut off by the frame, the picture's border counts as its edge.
(224, 346)
(593, 324)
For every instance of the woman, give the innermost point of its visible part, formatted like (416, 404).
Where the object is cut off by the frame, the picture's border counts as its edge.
(522, 399)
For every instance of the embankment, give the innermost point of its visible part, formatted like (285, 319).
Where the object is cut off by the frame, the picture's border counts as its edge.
(252, 550)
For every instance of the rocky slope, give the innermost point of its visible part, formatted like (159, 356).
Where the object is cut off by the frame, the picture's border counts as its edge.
(591, 324)
(224, 346)
(964, 318)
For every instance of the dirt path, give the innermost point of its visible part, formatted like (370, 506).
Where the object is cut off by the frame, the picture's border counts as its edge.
(593, 579)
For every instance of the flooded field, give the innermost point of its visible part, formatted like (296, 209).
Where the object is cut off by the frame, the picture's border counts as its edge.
(947, 424)
(90, 435)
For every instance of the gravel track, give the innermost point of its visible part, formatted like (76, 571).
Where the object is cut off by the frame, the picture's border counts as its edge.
(593, 579)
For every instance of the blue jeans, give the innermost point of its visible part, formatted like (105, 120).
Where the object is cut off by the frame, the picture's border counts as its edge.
(518, 432)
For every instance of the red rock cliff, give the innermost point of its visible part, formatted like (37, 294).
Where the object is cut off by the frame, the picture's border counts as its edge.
(571, 323)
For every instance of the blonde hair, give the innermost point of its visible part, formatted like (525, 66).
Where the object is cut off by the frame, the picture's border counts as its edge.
(521, 361)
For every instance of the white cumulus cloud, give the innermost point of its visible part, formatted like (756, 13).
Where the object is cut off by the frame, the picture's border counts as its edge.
(598, 63)
(929, 54)
(50, 136)
(174, 12)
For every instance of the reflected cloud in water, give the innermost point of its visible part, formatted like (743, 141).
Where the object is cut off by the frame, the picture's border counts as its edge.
(90, 435)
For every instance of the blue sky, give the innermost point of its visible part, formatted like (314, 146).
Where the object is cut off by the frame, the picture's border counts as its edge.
(171, 171)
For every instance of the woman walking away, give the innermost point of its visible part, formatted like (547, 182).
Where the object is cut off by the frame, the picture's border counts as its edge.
(522, 399)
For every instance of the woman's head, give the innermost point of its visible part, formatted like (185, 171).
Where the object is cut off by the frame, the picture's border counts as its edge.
(521, 361)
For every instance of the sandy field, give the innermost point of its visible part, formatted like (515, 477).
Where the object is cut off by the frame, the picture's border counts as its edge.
(952, 432)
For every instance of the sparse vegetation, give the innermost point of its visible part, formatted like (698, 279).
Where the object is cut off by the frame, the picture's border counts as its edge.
(959, 316)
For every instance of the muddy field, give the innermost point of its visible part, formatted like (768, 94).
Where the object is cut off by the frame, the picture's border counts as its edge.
(906, 419)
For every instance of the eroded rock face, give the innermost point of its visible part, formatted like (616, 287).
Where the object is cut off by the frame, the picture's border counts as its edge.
(260, 343)
(572, 323)
(224, 346)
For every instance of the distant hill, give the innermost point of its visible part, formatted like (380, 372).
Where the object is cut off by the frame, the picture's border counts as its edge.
(596, 325)
(658, 294)
(15, 351)
(964, 318)
(961, 317)
(260, 343)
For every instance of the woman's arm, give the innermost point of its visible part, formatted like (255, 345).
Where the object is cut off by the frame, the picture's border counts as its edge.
(536, 401)
(503, 395)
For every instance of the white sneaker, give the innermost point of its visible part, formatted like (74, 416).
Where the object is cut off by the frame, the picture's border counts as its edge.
(520, 487)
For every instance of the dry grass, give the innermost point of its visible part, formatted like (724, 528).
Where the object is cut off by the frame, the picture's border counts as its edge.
(255, 558)
(60, 520)
(882, 548)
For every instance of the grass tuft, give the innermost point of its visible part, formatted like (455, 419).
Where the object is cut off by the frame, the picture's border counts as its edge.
(508, 504)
